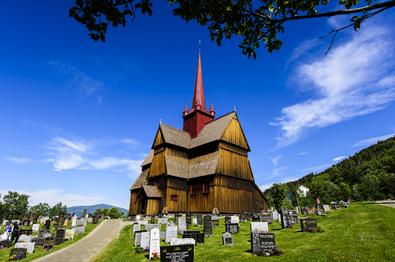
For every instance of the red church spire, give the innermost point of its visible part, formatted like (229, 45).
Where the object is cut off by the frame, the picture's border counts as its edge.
(197, 117)
(198, 95)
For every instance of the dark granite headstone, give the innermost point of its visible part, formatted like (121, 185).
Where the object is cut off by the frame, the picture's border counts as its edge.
(308, 224)
(180, 253)
(208, 226)
(18, 253)
(39, 241)
(215, 220)
(195, 234)
(47, 225)
(95, 220)
(200, 219)
(227, 220)
(59, 238)
(263, 244)
(49, 243)
(256, 218)
(189, 220)
(84, 212)
(232, 228)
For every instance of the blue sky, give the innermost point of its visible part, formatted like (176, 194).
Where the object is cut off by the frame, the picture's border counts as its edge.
(78, 117)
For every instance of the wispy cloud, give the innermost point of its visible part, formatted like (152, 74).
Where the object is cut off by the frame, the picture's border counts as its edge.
(371, 140)
(86, 85)
(18, 160)
(277, 169)
(339, 158)
(355, 79)
(71, 153)
(316, 169)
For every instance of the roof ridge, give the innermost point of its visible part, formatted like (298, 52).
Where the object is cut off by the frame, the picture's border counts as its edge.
(174, 128)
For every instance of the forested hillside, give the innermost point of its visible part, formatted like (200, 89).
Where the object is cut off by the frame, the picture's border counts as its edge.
(367, 175)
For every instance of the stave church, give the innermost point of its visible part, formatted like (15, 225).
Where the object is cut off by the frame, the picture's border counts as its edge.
(197, 168)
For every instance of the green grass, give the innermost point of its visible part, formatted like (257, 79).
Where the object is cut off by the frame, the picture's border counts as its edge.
(363, 232)
(39, 251)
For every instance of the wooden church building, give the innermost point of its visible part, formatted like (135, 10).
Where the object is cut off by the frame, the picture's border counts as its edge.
(201, 167)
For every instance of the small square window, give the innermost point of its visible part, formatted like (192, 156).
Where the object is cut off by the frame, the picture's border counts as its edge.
(192, 189)
(173, 197)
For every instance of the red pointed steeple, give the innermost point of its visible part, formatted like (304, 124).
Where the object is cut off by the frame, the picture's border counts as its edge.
(198, 95)
(197, 117)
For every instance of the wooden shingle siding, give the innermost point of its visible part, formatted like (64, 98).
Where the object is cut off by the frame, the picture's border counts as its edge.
(153, 207)
(158, 165)
(234, 134)
(235, 165)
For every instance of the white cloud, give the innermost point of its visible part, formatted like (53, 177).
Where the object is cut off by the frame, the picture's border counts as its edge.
(86, 85)
(275, 160)
(316, 169)
(18, 160)
(354, 79)
(130, 141)
(54, 196)
(372, 140)
(303, 153)
(277, 170)
(339, 158)
(71, 153)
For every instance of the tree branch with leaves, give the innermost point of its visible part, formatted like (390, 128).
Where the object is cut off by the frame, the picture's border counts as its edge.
(256, 23)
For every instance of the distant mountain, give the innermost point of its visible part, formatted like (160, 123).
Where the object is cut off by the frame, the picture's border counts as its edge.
(78, 210)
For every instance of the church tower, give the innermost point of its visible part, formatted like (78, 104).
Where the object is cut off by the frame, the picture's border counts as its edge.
(196, 118)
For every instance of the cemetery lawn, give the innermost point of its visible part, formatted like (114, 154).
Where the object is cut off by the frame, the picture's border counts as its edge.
(39, 251)
(362, 232)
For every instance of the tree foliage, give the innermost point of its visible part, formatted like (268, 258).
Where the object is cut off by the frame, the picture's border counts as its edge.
(58, 210)
(367, 175)
(256, 23)
(110, 212)
(14, 205)
(41, 209)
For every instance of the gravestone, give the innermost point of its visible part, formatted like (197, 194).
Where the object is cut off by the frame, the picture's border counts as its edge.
(215, 220)
(59, 237)
(208, 226)
(171, 232)
(182, 241)
(137, 237)
(39, 241)
(266, 217)
(287, 222)
(326, 208)
(136, 227)
(303, 210)
(232, 228)
(180, 253)
(182, 224)
(263, 244)
(69, 234)
(227, 239)
(89, 219)
(149, 227)
(79, 229)
(95, 220)
(194, 221)
(49, 243)
(47, 225)
(80, 222)
(227, 220)
(200, 219)
(256, 218)
(294, 218)
(36, 227)
(26, 223)
(311, 211)
(162, 220)
(18, 253)
(66, 222)
(154, 243)
(334, 205)
(308, 224)
(234, 219)
(25, 238)
(259, 227)
(188, 219)
(144, 242)
(275, 215)
(74, 221)
(29, 246)
(84, 213)
(195, 234)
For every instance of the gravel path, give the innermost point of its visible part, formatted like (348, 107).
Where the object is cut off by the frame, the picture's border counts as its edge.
(88, 247)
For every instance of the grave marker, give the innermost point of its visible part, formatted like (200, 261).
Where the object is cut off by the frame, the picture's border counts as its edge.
(208, 226)
(232, 228)
(227, 239)
(18, 253)
(308, 224)
(171, 232)
(263, 244)
(181, 253)
(154, 243)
